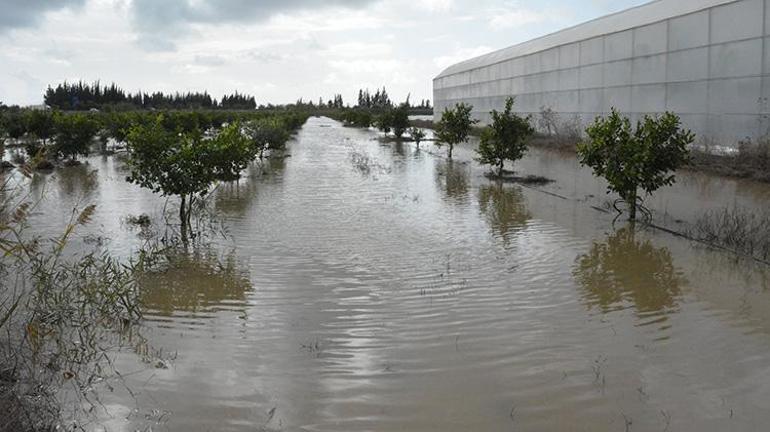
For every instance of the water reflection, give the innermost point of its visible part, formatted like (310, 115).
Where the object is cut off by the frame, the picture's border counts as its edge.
(79, 180)
(194, 283)
(399, 148)
(505, 209)
(453, 179)
(623, 270)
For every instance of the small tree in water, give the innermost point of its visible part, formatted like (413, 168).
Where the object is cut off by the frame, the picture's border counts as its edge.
(185, 164)
(417, 135)
(399, 118)
(505, 139)
(73, 134)
(644, 157)
(455, 126)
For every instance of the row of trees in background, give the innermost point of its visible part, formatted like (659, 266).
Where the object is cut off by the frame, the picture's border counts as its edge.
(82, 96)
(368, 102)
(49, 135)
(175, 153)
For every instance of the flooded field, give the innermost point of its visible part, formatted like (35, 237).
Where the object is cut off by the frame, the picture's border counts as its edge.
(375, 287)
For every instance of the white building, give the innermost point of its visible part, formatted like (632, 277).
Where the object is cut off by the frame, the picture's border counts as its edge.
(706, 60)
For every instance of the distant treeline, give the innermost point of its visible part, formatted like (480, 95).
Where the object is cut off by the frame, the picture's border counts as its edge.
(377, 101)
(82, 96)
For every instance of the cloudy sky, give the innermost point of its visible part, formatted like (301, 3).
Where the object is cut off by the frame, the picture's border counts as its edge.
(277, 50)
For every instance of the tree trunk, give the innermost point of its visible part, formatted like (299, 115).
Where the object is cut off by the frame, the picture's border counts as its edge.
(183, 218)
(500, 168)
(632, 206)
(451, 147)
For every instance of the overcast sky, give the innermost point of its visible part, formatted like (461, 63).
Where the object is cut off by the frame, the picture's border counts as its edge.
(277, 50)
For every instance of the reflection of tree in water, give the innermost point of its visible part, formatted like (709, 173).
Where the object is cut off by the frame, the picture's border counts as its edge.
(194, 283)
(399, 148)
(238, 197)
(77, 180)
(505, 209)
(623, 269)
(452, 178)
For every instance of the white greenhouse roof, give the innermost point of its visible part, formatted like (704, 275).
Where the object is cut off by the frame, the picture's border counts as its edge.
(647, 13)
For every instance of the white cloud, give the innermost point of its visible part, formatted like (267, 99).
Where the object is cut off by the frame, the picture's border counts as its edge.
(360, 49)
(279, 49)
(378, 66)
(435, 5)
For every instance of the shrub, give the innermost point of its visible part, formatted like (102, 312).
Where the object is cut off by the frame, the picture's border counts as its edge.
(455, 126)
(505, 139)
(185, 164)
(73, 134)
(417, 135)
(357, 118)
(630, 159)
(399, 118)
(40, 123)
(267, 134)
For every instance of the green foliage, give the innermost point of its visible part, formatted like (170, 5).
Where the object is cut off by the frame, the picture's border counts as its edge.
(384, 122)
(394, 119)
(82, 96)
(168, 161)
(455, 126)
(269, 134)
(357, 117)
(399, 119)
(172, 161)
(505, 139)
(228, 153)
(40, 123)
(417, 135)
(73, 134)
(14, 124)
(640, 158)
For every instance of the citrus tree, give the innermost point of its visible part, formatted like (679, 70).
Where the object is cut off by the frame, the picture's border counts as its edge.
(455, 126)
(267, 134)
(399, 118)
(228, 153)
(417, 135)
(630, 159)
(40, 123)
(168, 163)
(73, 134)
(505, 139)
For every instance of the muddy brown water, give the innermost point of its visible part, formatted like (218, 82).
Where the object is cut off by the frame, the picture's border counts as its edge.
(373, 287)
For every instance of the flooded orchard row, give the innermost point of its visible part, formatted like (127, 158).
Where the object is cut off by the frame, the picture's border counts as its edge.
(371, 286)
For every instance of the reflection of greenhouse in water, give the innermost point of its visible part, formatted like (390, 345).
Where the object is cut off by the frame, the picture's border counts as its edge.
(706, 60)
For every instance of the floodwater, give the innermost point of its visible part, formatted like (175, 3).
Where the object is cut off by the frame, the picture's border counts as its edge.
(376, 287)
